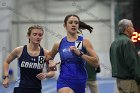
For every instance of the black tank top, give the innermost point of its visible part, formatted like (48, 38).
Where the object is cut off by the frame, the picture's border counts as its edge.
(29, 67)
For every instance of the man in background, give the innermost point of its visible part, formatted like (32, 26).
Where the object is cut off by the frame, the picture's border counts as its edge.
(124, 59)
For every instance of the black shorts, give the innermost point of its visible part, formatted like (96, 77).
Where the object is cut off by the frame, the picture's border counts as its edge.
(27, 90)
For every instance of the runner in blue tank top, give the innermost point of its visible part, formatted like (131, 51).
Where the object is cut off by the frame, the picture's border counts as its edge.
(31, 60)
(74, 51)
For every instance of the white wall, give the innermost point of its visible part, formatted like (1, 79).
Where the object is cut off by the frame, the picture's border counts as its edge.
(5, 30)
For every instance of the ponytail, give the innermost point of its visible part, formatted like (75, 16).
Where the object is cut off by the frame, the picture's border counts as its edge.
(83, 26)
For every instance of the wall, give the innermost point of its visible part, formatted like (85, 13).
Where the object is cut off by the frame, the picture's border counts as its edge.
(5, 30)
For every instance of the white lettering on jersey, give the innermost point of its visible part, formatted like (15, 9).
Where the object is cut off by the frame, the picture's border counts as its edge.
(32, 65)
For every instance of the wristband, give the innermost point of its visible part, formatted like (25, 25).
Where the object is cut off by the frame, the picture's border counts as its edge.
(53, 68)
(4, 77)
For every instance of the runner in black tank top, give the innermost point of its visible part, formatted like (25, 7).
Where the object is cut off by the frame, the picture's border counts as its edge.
(31, 60)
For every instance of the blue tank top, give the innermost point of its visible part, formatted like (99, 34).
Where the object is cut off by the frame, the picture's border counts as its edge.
(29, 67)
(72, 66)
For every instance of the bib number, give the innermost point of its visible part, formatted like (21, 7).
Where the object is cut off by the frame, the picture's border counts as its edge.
(78, 44)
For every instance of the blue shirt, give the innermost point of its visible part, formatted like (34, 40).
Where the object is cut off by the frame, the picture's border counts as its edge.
(72, 66)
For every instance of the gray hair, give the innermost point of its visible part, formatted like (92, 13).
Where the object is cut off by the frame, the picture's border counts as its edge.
(123, 24)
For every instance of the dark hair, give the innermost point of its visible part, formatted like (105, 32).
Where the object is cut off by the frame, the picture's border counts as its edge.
(67, 17)
(34, 27)
(82, 25)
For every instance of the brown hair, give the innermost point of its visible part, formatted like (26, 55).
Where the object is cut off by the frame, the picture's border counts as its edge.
(82, 25)
(34, 27)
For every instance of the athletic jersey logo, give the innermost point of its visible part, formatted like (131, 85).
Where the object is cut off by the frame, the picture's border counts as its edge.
(78, 44)
(66, 50)
(34, 65)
